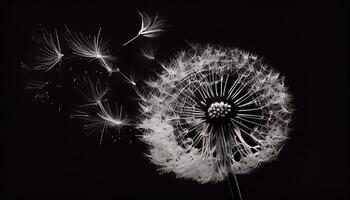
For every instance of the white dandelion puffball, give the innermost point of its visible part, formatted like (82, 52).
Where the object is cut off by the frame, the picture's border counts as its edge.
(214, 111)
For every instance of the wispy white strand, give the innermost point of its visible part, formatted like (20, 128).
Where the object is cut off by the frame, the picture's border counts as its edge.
(150, 27)
(97, 113)
(92, 48)
(49, 54)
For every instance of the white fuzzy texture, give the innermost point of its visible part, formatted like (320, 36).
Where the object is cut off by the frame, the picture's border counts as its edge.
(172, 109)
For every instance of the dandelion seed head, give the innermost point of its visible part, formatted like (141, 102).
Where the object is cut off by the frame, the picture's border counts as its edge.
(214, 111)
(219, 110)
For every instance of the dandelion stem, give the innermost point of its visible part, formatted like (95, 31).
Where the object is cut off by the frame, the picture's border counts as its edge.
(229, 185)
(131, 39)
(106, 66)
(237, 186)
(127, 79)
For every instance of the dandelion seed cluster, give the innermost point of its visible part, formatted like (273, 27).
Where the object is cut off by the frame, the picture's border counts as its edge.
(217, 110)
(214, 111)
(97, 114)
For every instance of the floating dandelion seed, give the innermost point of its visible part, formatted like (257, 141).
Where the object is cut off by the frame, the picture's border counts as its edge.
(94, 48)
(101, 119)
(35, 85)
(149, 52)
(149, 27)
(93, 92)
(40, 88)
(97, 114)
(131, 80)
(91, 47)
(214, 111)
(49, 53)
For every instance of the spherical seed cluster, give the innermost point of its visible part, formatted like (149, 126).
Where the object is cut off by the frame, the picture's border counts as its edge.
(217, 110)
(188, 123)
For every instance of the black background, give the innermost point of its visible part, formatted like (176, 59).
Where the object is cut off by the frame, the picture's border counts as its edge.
(45, 154)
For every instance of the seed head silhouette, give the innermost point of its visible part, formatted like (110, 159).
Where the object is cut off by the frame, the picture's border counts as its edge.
(214, 111)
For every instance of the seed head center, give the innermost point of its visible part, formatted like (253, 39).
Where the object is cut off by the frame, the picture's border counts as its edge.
(219, 110)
